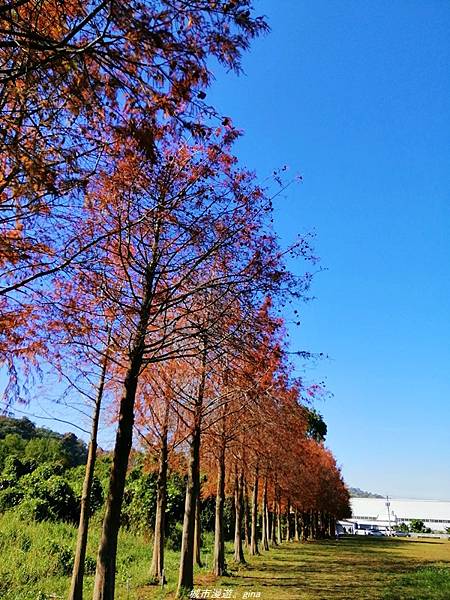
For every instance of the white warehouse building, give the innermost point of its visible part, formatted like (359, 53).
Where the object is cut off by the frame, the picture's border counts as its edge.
(375, 513)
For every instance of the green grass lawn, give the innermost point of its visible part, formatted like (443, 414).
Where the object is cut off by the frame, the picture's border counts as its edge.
(35, 565)
(355, 568)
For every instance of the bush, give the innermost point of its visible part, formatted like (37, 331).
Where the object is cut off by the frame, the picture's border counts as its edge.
(75, 478)
(9, 498)
(62, 557)
(13, 469)
(173, 540)
(139, 506)
(417, 526)
(52, 489)
(35, 509)
(89, 565)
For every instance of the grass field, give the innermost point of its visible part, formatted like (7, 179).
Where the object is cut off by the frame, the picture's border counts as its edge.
(35, 565)
(357, 568)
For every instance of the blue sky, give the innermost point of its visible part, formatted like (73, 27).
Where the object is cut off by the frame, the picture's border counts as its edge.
(354, 95)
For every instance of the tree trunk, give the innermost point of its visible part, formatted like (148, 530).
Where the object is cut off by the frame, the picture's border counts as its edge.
(313, 525)
(332, 526)
(265, 518)
(76, 586)
(273, 531)
(106, 558)
(219, 545)
(288, 521)
(296, 536)
(246, 517)
(279, 530)
(198, 531)
(254, 533)
(105, 572)
(306, 530)
(157, 567)
(238, 504)
(186, 572)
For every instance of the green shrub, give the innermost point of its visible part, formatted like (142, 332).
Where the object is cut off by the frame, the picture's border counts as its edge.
(9, 498)
(89, 565)
(173, 540)
(62, 557)
(75, 477)
(139, 506)
(13, 469)
(35, 509)
(51, 488)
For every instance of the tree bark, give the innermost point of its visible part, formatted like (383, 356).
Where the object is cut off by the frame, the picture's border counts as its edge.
(106, 558)
(254, 532)
(186, 572)
(313, 525)
(265, 519)
(157, 566)
(219, 545)
(288, 521)
(246, 517)
(198, 531)
(332, 526)
(273, 530)
(238, 504)
(296, 536)
(306, 529)
(105, 573)
(76, 586)
(279, 530)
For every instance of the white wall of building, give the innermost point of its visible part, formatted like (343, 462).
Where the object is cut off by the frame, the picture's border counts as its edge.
(373, 511)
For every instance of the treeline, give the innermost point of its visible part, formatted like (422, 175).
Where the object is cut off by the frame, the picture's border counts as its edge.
(139, 263)
(358, 493)
(47, 486)
(42, 473)
(21, 439)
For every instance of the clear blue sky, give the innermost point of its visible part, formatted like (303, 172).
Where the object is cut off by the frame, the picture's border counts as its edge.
(354, 95)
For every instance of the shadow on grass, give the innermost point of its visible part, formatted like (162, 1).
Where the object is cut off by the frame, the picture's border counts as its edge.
(352, 568)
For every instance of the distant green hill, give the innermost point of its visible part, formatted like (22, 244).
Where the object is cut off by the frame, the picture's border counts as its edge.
(357, 493)
(21, 438)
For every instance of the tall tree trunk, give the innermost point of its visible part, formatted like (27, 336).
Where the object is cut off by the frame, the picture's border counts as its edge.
(246, 517)
(332, 526)
(273, 531)
(296, 536)
(306, 526)
(219, 545)
(105, 572)
(238, 504)
(279, 529)
(186, 572)
(157, 566)
(76, 586)
(288, 521)
(254, 533)
(265, 518)
(198, 531)
(106, 558)
(313, 525)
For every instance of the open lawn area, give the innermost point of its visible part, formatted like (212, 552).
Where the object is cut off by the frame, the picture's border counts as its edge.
(355, 568)
(36, 560)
